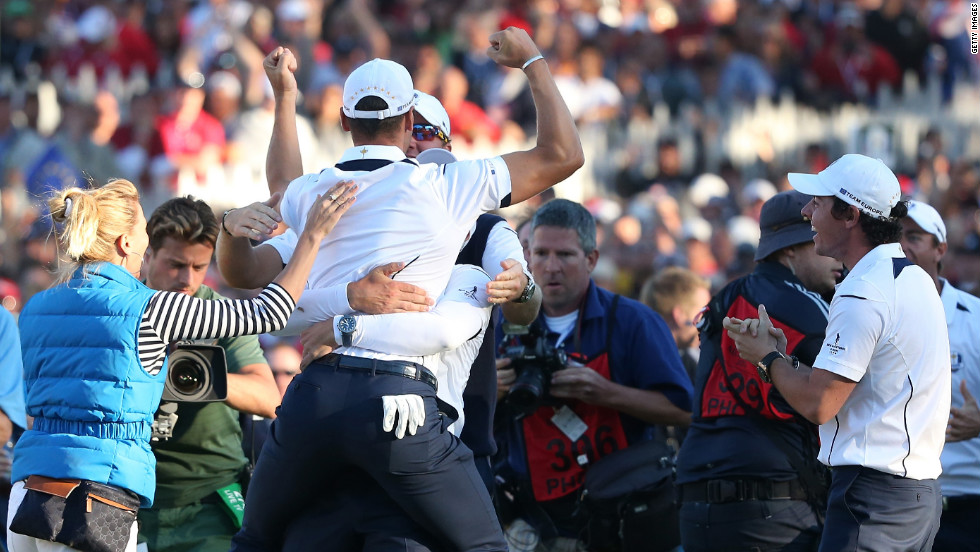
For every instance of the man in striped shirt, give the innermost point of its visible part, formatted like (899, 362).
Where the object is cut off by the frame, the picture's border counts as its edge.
(204, 455)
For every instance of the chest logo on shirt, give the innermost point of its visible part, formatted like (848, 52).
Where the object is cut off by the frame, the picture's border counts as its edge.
(836, 347)
(955, 360)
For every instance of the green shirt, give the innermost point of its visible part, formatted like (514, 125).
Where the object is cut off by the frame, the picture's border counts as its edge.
(205, 452)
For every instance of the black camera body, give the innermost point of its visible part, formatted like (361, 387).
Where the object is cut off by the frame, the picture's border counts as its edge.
(196, 373)
(534, 360)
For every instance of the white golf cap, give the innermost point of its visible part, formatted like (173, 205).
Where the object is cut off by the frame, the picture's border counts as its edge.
(928, 219)
(438, 156)
(293, 10)
(861, 181)
(385, 79)
(431, 108)
(706, 187)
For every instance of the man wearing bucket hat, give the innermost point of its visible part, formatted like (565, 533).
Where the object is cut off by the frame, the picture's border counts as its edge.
(729, 492)
(331, 418)
(924, 243)
(880, 385)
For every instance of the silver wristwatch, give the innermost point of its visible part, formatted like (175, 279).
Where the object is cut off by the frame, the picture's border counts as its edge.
(528, 289)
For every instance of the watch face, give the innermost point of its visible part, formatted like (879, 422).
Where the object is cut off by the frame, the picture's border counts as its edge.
(347, 324)
(763, 373)
(528, 292)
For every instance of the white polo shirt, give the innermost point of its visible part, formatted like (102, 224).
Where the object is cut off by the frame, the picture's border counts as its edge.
(886, 332)
(449, 335)
(321, 304)
(404, 212)
(961, 460)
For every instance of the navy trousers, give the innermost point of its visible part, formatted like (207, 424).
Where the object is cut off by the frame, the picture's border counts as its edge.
(485, 470)
(749, 526)
(872, 511)
(959, 526)
(357, 517)
(329, 423)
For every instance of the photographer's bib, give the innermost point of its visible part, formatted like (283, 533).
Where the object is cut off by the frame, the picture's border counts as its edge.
(556, 462)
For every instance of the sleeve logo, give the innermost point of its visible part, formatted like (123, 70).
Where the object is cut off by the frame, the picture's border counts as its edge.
(836, 347)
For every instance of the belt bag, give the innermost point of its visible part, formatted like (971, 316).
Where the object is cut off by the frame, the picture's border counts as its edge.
(83, 515)
(628, 501)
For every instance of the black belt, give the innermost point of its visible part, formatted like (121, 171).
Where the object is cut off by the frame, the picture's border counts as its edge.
(720, 491)
(401, 368)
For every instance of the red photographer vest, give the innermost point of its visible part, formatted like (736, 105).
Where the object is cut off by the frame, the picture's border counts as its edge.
(731, 375)
(556, 464)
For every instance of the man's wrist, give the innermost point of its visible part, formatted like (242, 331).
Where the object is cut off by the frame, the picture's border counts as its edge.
(531, 60)
(352, 300)
(528, 291)
(283, 94)
(765, 365)
(337, 335)
(224, 218)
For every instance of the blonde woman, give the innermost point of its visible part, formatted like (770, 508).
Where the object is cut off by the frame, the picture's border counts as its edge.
(94, 351)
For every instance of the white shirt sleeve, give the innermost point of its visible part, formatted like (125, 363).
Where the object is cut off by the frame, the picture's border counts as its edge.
(291, 208)
(474, 187)
(462, 312)
(502, 243)
(317, 305)
(284, 243)
(853, 331)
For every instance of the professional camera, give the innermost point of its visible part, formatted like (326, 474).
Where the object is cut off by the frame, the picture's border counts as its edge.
(195, 374)
(534, 360)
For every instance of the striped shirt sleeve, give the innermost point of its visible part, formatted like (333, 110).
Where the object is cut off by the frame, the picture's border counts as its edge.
(174, 316)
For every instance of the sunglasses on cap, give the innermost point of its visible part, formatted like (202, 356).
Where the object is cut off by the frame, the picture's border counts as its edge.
(423, 133)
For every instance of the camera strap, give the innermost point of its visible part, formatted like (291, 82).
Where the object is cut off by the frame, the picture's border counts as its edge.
(610, 322)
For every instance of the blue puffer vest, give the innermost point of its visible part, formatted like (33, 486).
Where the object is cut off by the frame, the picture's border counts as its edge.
(92, 402)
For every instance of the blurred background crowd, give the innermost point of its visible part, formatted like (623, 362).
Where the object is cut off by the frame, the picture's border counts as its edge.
(691, 112)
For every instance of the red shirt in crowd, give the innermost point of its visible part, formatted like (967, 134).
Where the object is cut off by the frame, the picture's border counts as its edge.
(870, 64)
(469, 121)
(190, 140)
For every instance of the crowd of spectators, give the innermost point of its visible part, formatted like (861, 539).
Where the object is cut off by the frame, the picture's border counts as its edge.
(171, 95)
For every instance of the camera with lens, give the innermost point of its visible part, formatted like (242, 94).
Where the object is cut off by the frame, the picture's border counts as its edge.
(534, 360)
(195, 374)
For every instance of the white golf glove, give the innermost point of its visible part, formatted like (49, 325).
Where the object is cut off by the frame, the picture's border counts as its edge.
(410, 411)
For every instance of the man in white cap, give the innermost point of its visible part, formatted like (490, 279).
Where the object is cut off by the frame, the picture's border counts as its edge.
(331, 417)
(880, 385)
(728, 492)
(431, 131)
(924, 243)
(492, 245)
(360, 515)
